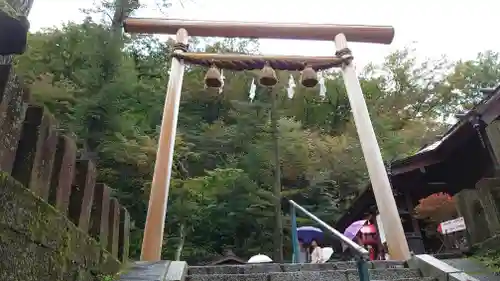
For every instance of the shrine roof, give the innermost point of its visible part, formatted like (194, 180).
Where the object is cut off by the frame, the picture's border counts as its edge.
(458, 134)
(488, 109)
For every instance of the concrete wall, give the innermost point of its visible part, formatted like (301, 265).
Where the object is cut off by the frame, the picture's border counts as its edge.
(56, 222)
(480, 208)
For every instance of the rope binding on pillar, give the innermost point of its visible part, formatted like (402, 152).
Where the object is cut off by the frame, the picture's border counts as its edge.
(345, 55)
(178, 46)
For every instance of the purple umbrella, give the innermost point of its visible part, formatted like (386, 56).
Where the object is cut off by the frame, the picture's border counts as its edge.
(309, 233)
(352, 230)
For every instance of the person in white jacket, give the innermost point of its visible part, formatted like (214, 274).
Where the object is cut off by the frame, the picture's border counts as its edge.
(316, 253)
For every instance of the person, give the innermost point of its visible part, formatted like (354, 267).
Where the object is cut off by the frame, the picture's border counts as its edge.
(302, 252)
(316, 254)
(386, 252)
(347, 253)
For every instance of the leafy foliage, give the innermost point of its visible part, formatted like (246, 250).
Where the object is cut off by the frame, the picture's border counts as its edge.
(436, 207)
(490, 258)
(108, 89)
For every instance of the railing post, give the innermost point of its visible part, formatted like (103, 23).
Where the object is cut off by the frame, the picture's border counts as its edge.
(362, 264)
(295, 238)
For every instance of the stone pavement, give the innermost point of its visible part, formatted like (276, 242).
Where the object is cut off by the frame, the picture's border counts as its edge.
(155, 271)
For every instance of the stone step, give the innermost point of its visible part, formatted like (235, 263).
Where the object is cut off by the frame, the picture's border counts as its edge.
(154, 271)
(145, 271)
(410, 279)
(275, 267)
(327, 275)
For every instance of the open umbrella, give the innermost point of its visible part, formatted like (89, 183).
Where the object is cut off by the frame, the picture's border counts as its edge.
(309, 233)
(327, 253)
(352, 230)
(259, 259)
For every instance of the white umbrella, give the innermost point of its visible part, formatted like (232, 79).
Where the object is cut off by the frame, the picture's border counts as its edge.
(326, 253)
(259, 259)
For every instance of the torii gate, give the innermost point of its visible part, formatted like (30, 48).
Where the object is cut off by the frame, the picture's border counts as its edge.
(155, 222)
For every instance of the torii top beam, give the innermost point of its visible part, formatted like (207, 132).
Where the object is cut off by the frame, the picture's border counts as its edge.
(299, 31)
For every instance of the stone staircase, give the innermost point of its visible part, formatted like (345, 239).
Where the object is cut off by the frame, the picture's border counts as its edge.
(336, 271)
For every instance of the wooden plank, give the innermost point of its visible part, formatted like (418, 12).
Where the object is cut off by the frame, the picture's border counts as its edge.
(114, 227)
(35, 151)
(124, 236)
(63, 173)
(82, 194)
(298, 31)
(99, 215)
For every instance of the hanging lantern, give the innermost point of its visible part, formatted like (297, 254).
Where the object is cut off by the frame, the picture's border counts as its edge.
(213, 78)
(268, 76)
(309, 77)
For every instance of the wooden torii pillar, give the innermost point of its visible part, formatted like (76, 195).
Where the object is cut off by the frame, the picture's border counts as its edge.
(155, 222)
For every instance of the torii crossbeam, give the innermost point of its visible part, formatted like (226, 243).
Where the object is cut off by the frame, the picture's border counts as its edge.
(155, 222)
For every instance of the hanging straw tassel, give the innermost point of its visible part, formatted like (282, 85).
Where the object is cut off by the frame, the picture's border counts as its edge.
(222, 78)
(291, 87)
(268, 76)
(252, 90)
(213, 78)
(322, 87)
(309, 77)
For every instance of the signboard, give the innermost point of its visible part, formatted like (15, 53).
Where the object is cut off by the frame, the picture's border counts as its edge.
(452, 226)
(380, 227)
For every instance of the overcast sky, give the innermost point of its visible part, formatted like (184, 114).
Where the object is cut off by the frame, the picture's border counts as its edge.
(458, 29)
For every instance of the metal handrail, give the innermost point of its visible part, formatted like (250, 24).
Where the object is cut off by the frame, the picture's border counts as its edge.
(351, 244)
(362, 255)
